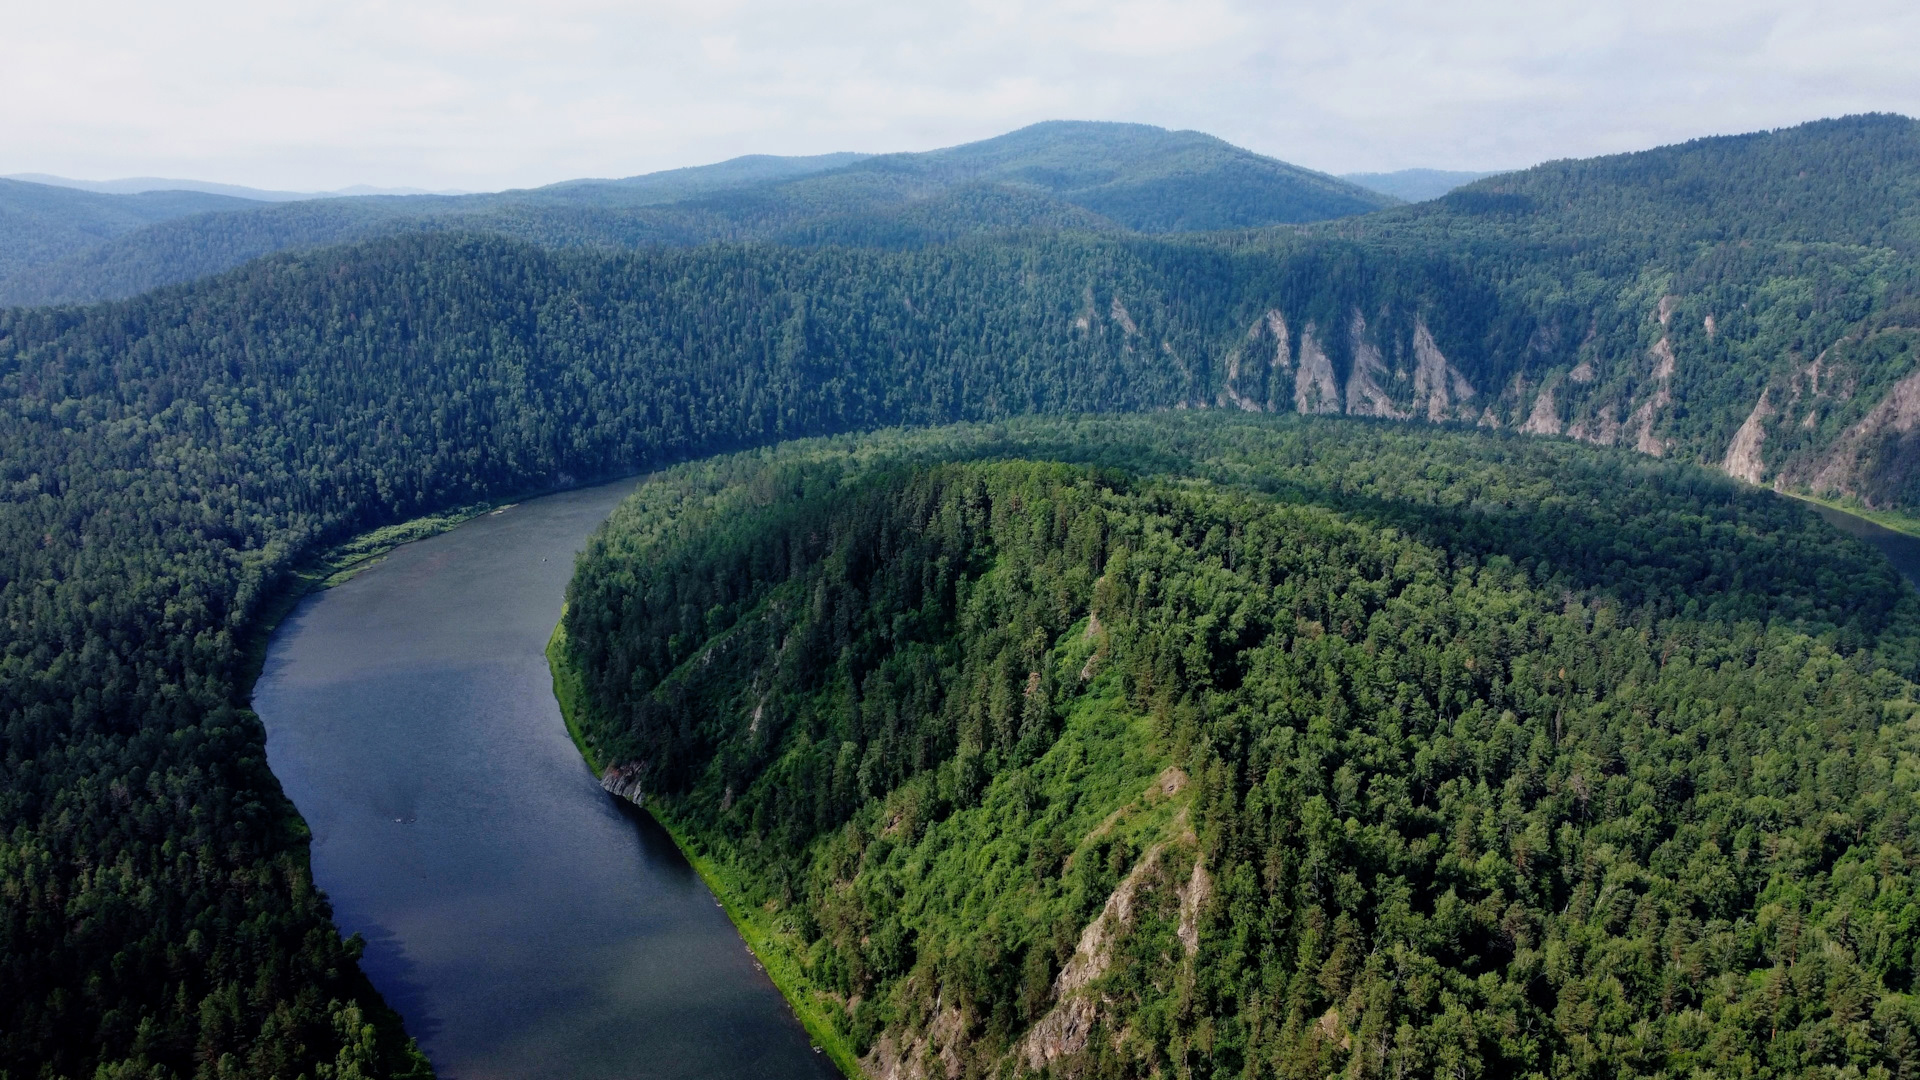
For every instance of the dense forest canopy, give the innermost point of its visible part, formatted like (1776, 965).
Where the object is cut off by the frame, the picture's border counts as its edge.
(1176, 746)
(167, 460)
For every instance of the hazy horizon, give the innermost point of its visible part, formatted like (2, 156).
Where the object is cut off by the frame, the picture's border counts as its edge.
(494, 95)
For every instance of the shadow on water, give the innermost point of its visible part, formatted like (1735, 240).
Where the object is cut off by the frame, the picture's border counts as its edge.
(386, 963)
(1901, 550)
(657, 848)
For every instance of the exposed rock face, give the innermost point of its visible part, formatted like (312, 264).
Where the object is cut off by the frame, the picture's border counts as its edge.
(1314, 389)
(1123, 317)
(627, 781)
(1193, 898)
(938, 1044)
(1601, 429)
(1743, 455)
(1365, 397)
(1437, 384)
(1064, 1029)
(1897, 414)
(1399, 375)
(1648, 414)
(1269, 372)
(1545, 417)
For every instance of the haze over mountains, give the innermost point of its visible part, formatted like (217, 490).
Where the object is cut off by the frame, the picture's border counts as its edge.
(1084, 175)
(1414, 185)
(137, 185)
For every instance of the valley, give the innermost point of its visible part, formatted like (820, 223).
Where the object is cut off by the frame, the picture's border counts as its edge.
(1106, 603)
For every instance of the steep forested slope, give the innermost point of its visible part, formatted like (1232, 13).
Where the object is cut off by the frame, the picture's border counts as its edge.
(1175, 747)
(1745, 301)
(1082, 175)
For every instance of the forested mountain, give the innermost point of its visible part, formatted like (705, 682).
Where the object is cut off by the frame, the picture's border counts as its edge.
(1167, 746)
(1742, 301)
(1061, 174)
(1745, 301)
(1414, 185)
(40, 223)
(136, 185)
(673, 185)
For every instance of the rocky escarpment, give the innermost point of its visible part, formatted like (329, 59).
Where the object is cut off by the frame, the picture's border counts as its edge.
(626, 781)
(1822, 428)
(1285, 365)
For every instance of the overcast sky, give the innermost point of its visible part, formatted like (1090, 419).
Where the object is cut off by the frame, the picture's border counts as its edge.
(485, 94)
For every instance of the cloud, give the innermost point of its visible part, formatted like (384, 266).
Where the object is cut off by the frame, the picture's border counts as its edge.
(490, 93)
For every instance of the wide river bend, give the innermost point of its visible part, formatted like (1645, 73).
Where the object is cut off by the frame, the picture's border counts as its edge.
(524, 923)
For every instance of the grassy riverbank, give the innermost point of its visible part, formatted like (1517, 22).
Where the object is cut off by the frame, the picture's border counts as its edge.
(1887, 519)
(566, 690)
(336, 565)
(777, 950)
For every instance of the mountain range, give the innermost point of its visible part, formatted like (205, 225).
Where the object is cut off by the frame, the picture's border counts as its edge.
(1080, 175)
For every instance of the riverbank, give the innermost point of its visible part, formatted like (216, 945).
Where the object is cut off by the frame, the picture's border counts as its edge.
(1887, 519)
(336, 565)
(777, 954)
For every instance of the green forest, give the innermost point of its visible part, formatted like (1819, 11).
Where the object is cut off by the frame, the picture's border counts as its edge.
(1189, 746)
(169, 462)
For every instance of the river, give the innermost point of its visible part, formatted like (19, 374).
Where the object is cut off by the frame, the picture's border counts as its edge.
(1901, 550)
(523, 922)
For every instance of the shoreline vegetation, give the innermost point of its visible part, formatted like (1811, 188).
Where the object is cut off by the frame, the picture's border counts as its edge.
(1894, 520)
(768, 944)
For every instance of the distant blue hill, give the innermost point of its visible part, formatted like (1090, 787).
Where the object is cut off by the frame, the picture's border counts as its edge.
(1059, 174)
(1414, 185)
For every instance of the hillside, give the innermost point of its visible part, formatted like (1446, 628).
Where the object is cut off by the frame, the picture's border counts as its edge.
(1140, 177)
(1742, 301)
(1739, 301)
(1079, 175)
(1129, 747)
(41, 224)
(169, 461)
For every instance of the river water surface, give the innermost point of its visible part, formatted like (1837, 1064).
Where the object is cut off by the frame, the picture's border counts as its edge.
(523, 922)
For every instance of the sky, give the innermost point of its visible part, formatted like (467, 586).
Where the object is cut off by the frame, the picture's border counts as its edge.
(488, 94)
